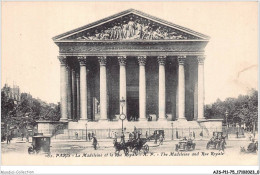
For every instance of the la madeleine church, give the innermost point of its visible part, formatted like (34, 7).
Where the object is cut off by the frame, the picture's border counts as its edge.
(148, 70)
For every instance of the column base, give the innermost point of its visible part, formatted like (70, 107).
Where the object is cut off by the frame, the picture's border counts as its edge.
(142, 119)
(181, 119)
(83, 119)
(201, 119)
(162, 119)
(102, 120)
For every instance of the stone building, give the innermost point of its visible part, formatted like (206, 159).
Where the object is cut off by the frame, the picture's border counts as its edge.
(156, 66)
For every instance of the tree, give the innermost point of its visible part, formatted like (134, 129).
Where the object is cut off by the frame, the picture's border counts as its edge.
(243, 109)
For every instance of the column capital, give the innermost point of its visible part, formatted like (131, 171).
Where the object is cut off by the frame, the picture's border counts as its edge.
(102, 60)
(82, 60)
(161, 60)
(181, 59)
(122, 60)
(201, 59)
(63, 60)
(141, 60)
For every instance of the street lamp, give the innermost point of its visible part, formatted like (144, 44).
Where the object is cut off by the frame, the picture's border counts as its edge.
(172, 130)
(86, 131)
(122, 115)
(226, 114)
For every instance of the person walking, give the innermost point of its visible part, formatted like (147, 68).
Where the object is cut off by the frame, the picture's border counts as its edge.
(27, 137)
(22, 135)
(95, 142)
(160, 139)
(156, 138)
(7, 138)
(89, 136)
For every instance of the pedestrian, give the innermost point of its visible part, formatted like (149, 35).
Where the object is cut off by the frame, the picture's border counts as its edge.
(160, 139)
(156, 137)
(201, 134)
(89, 136)
(22, 135)
(76, 135)
(7, 138)
(146, 134)
(95, 142)
(130, 136)
(250, 137)
(27, 137)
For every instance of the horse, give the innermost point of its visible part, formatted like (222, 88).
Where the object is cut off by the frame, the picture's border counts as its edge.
(120, 146)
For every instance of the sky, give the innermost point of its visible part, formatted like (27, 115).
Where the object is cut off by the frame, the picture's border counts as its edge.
(29, 56)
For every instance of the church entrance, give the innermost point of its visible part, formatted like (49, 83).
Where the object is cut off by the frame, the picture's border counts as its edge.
(132, 108)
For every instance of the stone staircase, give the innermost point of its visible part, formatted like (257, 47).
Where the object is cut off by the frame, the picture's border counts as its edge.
(103, 129)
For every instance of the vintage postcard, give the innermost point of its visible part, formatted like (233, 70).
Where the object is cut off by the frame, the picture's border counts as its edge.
(129, 83)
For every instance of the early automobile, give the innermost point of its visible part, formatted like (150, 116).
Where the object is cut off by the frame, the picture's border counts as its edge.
(218, 134)
(251, 148)
(40, 144)
(156, 135)
(185, 145)
(217, 141)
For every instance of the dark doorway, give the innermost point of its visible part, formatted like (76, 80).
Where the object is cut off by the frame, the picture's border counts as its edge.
(132, 109)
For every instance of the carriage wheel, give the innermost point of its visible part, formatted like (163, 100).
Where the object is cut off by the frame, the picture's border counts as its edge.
(31, 150)
(145, 149)
(135, 151)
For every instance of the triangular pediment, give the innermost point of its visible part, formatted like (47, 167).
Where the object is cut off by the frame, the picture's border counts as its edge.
(131, 25)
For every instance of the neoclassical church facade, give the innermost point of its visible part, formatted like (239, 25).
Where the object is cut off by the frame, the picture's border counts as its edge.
(154, 66)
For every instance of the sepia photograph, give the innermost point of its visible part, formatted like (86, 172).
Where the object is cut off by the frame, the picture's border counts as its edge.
(129, 83)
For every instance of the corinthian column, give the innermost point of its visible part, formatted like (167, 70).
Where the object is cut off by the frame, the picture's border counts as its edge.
(74, 94)
(201, 87)
(69, 91)
(181, 88)
(142, 88)
(161, 108)
(103, 87)
(122, 81)
(78, 95)
(63, 87)
(83, 88)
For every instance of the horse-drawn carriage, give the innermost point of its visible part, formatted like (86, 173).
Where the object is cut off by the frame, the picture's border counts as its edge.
(185, 145)
(134, 145)
(217, 141)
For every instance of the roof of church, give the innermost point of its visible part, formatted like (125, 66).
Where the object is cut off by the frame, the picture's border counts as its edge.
(134, 12)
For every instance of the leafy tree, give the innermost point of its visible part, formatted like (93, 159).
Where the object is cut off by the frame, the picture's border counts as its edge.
(243, 109)
(27, 111)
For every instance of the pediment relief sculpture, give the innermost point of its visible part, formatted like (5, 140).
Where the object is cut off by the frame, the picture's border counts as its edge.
(132, 27)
